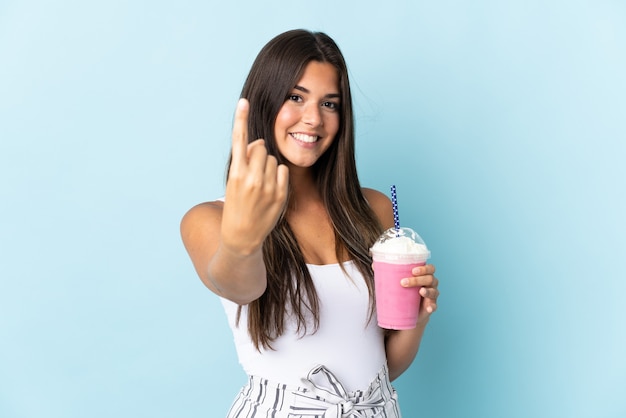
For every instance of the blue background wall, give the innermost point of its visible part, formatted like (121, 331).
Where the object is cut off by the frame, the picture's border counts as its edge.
(502, 124)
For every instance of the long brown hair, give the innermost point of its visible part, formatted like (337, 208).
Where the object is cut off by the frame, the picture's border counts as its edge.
(274, 73)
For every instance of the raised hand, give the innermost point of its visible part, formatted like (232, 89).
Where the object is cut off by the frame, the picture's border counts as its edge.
(256, 190)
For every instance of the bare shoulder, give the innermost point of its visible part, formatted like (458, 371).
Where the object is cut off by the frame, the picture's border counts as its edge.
(381, 205)
(200, 231)
(201, 220)
(376, 198)
(203, 212)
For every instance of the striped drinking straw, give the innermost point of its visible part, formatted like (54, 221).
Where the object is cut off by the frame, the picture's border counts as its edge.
(394, 204)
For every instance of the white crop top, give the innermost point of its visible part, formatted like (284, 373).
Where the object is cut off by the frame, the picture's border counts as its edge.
(349, 346)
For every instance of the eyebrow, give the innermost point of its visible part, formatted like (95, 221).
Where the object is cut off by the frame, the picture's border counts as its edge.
(328, 96)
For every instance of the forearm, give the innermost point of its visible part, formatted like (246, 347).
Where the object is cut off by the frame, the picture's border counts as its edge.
(240, 277)
(402, 347)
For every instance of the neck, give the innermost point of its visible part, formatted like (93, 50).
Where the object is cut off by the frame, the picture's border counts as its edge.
(303, 187)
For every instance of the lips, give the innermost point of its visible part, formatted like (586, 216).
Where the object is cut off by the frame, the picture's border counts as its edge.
(309, 139)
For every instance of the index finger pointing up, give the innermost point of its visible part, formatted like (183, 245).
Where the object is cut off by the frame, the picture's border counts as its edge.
(240, 133)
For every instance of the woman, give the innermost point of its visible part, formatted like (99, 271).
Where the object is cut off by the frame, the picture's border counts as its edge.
(287, 249)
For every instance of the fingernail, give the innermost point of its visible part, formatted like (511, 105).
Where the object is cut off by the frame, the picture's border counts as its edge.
(416, 271)
(404, 282)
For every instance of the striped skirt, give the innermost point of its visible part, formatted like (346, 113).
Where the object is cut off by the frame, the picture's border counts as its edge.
(321, 395)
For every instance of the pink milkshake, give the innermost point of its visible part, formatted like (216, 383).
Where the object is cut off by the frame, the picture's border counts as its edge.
(395, 254)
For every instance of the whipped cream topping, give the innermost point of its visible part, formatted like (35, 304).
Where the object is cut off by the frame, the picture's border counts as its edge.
(400, 246)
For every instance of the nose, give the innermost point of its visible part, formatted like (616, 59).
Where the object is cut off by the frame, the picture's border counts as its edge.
(312, 115)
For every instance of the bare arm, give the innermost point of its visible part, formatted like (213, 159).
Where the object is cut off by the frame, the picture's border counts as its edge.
(402, 346)
(235, 275)
(225, 240)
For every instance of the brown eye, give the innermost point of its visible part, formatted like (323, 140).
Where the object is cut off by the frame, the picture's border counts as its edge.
(331, 105)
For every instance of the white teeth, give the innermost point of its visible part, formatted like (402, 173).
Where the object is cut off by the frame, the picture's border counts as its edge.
(305, 137)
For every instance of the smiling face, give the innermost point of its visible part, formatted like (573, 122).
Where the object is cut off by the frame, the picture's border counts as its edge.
(308, 121)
